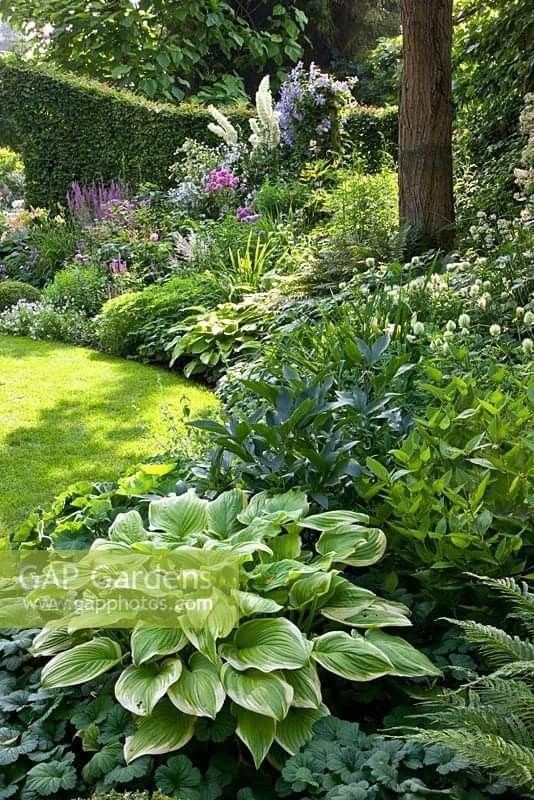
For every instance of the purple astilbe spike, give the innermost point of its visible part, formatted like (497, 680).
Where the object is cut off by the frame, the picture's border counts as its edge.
(93, 201)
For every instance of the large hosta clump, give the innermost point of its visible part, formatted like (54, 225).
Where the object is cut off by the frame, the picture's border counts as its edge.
(292, 616)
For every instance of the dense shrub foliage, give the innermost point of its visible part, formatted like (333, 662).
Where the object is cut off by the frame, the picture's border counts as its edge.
(13, 291)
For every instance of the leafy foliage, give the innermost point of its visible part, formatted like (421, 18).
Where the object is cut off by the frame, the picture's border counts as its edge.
(11, 292)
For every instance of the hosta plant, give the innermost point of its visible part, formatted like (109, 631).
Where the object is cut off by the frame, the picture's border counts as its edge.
(261, 649)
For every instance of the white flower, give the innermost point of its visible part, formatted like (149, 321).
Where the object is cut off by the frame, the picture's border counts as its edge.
(224, 128)
(529, 319)
(464, 320)
(418, 328)
(266, 128)
(528, 346)
(370, 263)
(495, 330)
(451, 326)
(520, 312)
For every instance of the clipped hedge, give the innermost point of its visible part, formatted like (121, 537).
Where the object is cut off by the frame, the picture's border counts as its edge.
(68, 128)
(11, 292)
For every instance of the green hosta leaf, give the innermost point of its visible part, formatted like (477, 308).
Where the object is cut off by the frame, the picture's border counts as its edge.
(267, 645)
(199, 691)
(350, 657)
(380, 614)
(82, 663)
(307, 590)
(250, 604)
(51, 641)
(282, 507)
(178, 517)
(102, 762)
(346, 599)
(149, 642)
(264, 693)
(224, 511)
(267, 577)
(128, 528)
(288, 545)
(358, 547)
(139, 688)
(406, 660)
(179, 778)
(306, 686)
(204, 628)
(50, 778)
(329, 520)
(166, 729)
(296, 729)
(256, 733)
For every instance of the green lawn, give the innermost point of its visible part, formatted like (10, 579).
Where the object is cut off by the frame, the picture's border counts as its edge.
(70, 414)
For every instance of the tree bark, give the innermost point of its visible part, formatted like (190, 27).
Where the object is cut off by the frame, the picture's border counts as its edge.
(425, 121)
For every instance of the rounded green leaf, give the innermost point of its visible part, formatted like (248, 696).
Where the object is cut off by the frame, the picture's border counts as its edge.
(139, 688)
(165, 730)
(264, 693)
(81, 664)
(267, 645)
(178, 517)
(296, 729)
(149, 642)
(128, 528)
(223, 512)
(256, 733)
(199, 690)
(351, 657)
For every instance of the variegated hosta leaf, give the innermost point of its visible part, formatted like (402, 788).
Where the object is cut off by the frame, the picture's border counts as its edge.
(199, 691)
(263, 693)
(346, 599)
(82, 663)
(267, 577)
(407, 661)
(140, 688)
(306, 686)
(267, 645)
(351, 657)
(223, 513)
(292, 505)
(178, 518)
(50, 641)
(203, 628)
(309, 589)
(380, 614)
(288, 545)
(164, 731)
(250, 604)
(293, 732)
(356, 546)
(334, 519)
(256, 732)
(149, 642)
(128, 528)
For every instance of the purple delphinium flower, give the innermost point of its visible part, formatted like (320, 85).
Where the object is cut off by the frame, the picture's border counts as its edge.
(246, 214)
(222, 179)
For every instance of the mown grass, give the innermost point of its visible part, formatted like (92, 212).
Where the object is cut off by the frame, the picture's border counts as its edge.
(70, 414)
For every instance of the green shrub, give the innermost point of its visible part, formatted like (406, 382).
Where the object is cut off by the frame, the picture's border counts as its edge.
(80, 287)
(138, 323)
(372, 134)
(13, 291)
(52, 243)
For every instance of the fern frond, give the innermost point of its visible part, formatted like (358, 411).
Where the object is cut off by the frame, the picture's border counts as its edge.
(519, 595)
(498, 647)
(508, 760)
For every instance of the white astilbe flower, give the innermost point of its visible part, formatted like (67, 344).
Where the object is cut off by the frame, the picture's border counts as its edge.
(266, 127)
(222, 127)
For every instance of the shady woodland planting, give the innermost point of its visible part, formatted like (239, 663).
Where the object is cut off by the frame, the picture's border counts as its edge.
(267, 329)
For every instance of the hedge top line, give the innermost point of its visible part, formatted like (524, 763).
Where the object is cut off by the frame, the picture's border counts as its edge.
(68, 128)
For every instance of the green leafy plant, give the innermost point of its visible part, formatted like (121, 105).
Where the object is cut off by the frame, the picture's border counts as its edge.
(266, 666)
(11, 292)
(78, 287)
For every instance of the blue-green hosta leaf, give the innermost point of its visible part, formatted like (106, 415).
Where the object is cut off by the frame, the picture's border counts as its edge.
(50, 778)
(267, 645)
(256, 733)
(179, 778)
(199, 691)
(51, 641)
(309, 589)
(223, 513)
(407, 661)
(178, 517)
(293, 732)
(139, 688)
(264, 693)
(351, 657)
(333, 519)
(250, 604)
(128, 528)
(306, 686)
(82, 663)
(356, 546)
(292, 505)
(165, 730)
(149, 642)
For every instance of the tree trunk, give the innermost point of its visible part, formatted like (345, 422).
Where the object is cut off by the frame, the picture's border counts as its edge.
(425, 121)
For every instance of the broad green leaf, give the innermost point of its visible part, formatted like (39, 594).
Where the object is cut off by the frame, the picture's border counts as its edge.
(307, 590)
(149, 642)
(51, 641)
(289, 506)
(267, 577)
(306, 686)
(358, 547)
(128, 528)
(179, 778)
(350, 657)
(288, 545)
(264, 693)
(256, 733)
(102, 762)
(407, 661)
(81, 664)
(166, 729)
(346, 599)
(267, 645)
(250, 604)
(139, 688)
(223, 512)
(293, 732)
(329, 520)
(178, 517)
(203, 626)
(380, 614)
(199, 691)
